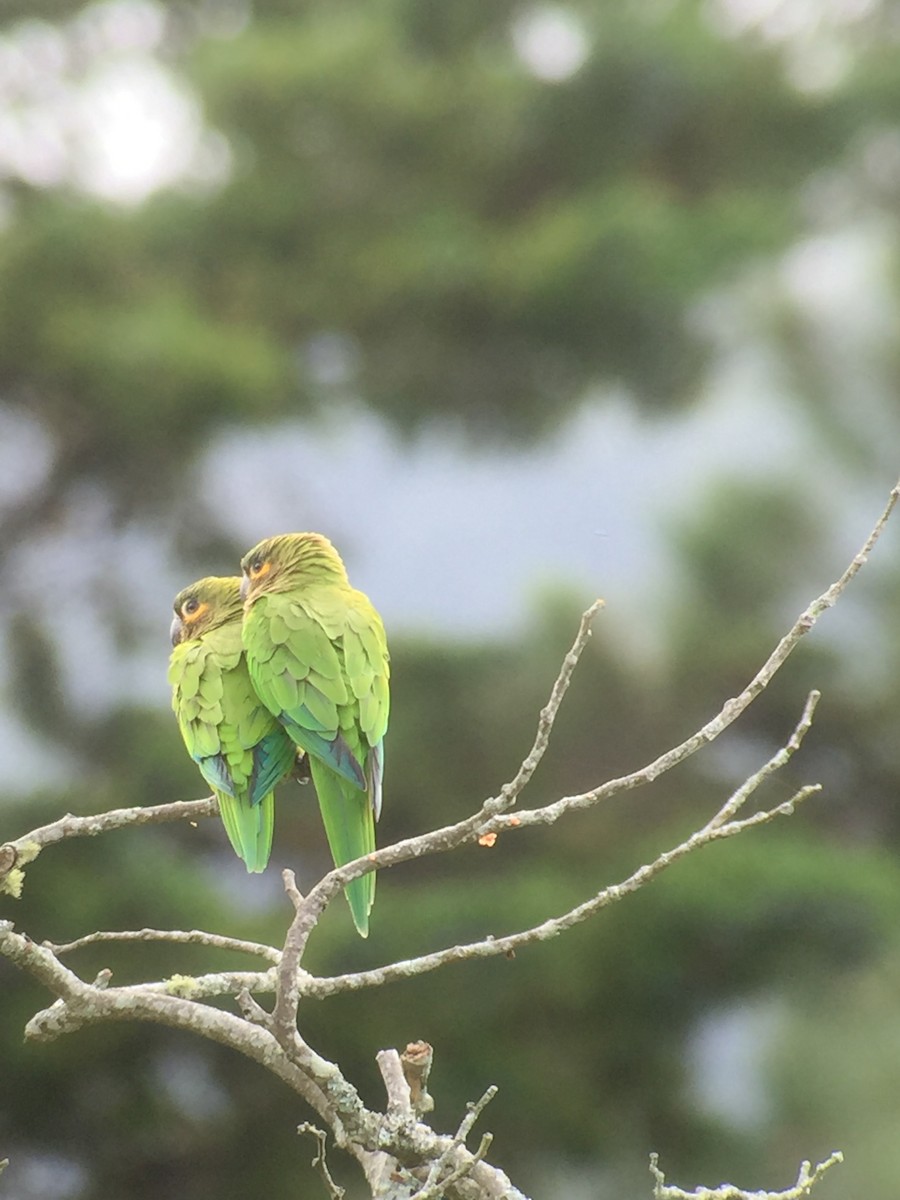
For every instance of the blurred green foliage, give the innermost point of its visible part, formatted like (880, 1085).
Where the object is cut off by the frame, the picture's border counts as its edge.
(485, 247)
(489, 245)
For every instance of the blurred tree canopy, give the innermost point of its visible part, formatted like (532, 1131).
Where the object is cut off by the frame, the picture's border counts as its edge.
(429, 208)
(412, 214)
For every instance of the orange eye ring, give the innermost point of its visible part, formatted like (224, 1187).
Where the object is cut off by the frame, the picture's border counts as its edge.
(192, 610)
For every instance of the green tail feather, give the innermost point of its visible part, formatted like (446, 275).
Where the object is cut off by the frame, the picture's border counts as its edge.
(350, 829)
(249, 828)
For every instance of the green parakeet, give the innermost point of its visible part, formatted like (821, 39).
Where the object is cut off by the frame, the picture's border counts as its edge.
(318, 659)
(241, 750)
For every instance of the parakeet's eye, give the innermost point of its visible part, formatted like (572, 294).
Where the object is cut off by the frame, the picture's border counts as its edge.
(190, 606)
(257, 564)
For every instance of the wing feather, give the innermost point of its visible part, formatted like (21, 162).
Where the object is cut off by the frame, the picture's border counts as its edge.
(240, 749)
(318, 680)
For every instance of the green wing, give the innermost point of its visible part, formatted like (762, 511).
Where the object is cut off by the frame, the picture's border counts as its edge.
(319, 661)
(240, 750)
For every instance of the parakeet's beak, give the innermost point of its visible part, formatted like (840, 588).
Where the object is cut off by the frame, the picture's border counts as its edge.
(245, 586)
(176, 630)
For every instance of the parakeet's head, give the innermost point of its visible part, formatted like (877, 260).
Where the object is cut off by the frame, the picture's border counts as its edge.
(206, 605)
(289, 560)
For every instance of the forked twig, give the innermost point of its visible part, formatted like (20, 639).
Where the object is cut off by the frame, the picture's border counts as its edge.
(320, 1160)
(439, 1179)
(807, 1178)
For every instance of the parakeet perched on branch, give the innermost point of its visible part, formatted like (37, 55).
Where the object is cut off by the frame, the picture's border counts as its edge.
(241, 750)
(318, 659)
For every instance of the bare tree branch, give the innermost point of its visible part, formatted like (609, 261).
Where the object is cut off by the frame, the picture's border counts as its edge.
(396, 1144)
(490, 946)
(729, 712)
(196, 936)
(399, 1097)
(230, 983)
(17, 854)
(807, 1178)
(319, 1082)
(439, 1178)
(287, 990)
(778, 760)
(718, 827)
(492, 817)
(510, 791)
(79, 1004)
(307, 911)
(320, 1161)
